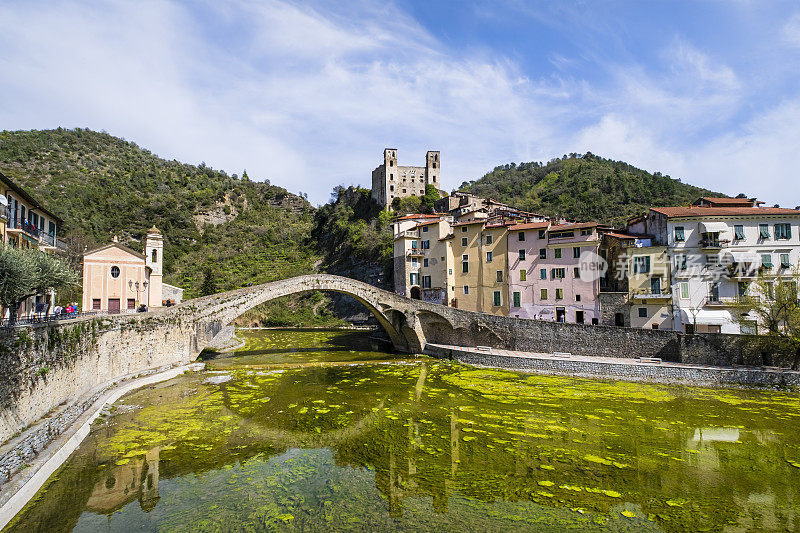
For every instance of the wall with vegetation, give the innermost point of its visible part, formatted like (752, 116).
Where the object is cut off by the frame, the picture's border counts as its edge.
(50, 365)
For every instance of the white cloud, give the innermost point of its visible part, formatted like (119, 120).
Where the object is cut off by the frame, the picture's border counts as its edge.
(791, 30)
(308, 94)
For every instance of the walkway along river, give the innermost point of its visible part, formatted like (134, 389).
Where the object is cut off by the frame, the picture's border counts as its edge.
(316, 430)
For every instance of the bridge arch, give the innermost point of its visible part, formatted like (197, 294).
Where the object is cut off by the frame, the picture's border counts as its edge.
(390, 310)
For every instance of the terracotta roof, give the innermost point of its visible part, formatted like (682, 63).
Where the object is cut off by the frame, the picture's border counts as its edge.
(410, 217)
(620, 235)
(476, 221)
(428, 223)
(576, 225)
(530, 225)
(694, 211)
(731, 202)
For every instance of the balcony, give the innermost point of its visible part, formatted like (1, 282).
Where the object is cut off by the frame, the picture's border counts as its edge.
(713, 245)
(645, 294)
(416, 252)
(408, 234)
(50, 242)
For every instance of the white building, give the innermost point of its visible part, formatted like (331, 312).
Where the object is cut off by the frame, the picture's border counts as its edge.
(717, 247)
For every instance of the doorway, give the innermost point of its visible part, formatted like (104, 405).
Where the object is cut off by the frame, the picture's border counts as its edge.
(579, 317)
(415, 293)
(113, 305)
(561, 314)
(619, 320)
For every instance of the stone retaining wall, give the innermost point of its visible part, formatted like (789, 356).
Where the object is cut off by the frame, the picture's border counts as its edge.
(629, 372)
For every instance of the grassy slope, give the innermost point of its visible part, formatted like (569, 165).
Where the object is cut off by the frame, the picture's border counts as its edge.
(104, 186)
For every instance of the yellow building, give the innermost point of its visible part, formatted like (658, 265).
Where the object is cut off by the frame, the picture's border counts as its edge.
(493, 269)
(649, 293)
(465, 241)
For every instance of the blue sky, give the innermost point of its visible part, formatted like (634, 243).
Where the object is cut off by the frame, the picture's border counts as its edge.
(307, 94)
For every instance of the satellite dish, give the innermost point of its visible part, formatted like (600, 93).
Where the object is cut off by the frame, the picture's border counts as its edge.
(3, 200)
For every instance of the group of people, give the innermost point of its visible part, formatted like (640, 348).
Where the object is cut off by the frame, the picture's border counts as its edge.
(66, 311)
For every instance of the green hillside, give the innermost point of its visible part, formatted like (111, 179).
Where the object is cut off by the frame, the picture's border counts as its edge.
(239, 231)
(582, 188)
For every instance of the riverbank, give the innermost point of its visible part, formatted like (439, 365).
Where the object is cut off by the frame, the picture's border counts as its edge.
(28, 460)
(649, 370)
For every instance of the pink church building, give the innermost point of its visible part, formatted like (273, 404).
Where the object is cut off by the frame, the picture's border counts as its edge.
(552, 272)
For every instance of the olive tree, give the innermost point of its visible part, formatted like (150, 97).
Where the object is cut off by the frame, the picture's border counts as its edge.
(772, 303)
(26, 273)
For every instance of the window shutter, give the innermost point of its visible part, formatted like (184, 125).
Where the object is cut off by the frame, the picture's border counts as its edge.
(788, 231)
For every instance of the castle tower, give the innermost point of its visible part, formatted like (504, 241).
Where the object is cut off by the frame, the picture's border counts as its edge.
(432, 169)
(154, 262)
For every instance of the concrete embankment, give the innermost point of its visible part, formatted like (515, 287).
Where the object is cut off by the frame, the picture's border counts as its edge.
(618, 368)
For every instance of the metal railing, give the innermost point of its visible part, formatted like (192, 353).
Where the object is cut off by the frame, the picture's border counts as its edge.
(40, 318)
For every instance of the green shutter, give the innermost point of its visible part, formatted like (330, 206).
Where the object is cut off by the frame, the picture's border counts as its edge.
(778, 231)
(516, 299)
(739, 232)
(763, 231)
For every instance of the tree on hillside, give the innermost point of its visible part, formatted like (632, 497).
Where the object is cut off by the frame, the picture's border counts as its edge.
(431, 195)
(209, 285)
(771, 302)
(245, 177)
(26, 273)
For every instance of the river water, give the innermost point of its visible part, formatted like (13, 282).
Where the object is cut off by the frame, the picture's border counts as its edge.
(320, 431)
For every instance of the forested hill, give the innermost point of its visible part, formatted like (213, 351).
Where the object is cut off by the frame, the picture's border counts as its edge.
(583, 188)
(239, 230)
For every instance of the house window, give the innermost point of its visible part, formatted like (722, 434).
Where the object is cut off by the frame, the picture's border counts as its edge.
(404, 191)
(522, 255)
(770, 288)
(642, 312)
(542, 253)
(783, 231)
(424, 229)
(95, 303)
(450, 271)
(499, 276)
(579, 317)
(521, 236)
(738, 232)
(680, 262)
(463, 229)
(576, 252)
(523, 275)
(466, 289)
(763, 231)
(741, 288)
(463, 241)
(543, 294)
(413, 278)
(426, 282)
(576, 271)
(785, 261)
(497, 301)
(559, 273)
(557, 253)
(685, 290)
(542, 273)
(749, 327)
(516, 297)
(414, 262)
(464, 265)
(426, 245)
(559, 294)
(766, 260)
(425, 262)
(577, 297)
(641, 265)
(542, 233)
(679, 235)
(489, 257)
(488, 239)
(115, 271)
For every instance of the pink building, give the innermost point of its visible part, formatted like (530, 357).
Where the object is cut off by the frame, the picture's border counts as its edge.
(552, 272)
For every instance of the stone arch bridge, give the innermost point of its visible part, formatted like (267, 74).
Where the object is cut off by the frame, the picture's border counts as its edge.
(412, 324)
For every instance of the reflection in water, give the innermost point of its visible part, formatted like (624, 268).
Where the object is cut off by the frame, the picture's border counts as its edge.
(381, 444)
